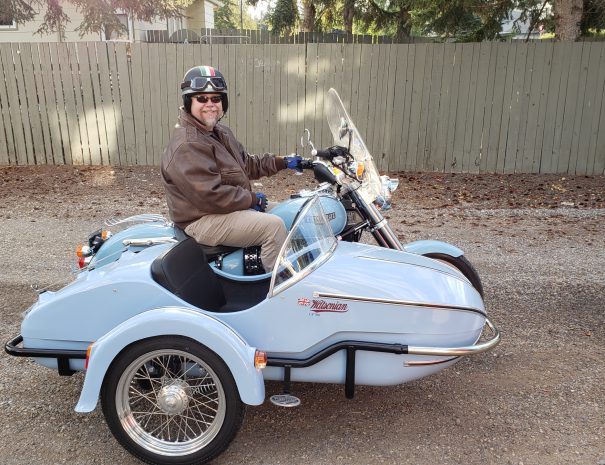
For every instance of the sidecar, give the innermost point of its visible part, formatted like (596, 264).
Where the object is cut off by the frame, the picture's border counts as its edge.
(175, 345)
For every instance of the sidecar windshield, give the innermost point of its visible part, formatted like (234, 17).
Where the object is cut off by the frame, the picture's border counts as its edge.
(310, 243)
(343, 128)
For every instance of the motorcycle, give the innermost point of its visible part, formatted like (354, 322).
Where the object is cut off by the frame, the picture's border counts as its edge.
(176, 338)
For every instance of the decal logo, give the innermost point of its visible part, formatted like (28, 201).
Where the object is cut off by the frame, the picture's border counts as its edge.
(321, 306)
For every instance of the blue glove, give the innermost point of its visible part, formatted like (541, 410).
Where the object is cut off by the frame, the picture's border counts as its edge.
(261, 202)
(294, 162)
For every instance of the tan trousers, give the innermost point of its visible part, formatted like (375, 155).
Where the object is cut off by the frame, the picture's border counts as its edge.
(242, 228)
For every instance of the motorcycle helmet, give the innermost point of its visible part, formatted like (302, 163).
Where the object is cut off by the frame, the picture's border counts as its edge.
(203, 79)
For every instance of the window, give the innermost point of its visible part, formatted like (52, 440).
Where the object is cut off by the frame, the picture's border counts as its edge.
(119, 35)
(7, 23)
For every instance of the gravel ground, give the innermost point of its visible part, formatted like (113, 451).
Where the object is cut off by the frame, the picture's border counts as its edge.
(538, 398)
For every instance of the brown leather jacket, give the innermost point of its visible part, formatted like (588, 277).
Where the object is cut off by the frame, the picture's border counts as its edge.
(209, 172)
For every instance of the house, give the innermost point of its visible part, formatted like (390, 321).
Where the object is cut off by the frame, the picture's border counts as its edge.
(199, 15)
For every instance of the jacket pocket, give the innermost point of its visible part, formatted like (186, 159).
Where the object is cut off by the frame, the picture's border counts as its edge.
(232, 177)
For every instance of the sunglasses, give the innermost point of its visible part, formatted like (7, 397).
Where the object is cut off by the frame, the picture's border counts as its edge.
(204, 98)
(200, 83)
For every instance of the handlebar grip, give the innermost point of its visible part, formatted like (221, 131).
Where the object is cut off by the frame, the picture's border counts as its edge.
(322, 153)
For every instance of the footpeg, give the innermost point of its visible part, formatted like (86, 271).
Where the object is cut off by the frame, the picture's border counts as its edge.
(285, 400)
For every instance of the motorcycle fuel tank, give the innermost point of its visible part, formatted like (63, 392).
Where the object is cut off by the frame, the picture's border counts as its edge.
(334, 210)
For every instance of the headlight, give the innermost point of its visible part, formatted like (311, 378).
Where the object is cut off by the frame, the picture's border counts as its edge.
(387, 187)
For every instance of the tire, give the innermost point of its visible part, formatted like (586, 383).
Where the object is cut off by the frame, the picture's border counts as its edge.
(170, 400)
(462, 265)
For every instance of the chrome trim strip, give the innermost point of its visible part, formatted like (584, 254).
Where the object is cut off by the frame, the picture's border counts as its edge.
(405, 303)
(144, 242)
(456, 273)
(422, 363)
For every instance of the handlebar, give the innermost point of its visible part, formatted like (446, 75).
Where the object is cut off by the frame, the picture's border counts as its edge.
(330, 152)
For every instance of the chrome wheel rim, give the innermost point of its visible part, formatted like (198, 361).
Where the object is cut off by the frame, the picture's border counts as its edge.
(170, 402)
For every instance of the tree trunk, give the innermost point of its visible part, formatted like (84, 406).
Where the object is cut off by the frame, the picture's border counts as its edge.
(348, 12)
(568, 16)
(309, 13)
(404, 24)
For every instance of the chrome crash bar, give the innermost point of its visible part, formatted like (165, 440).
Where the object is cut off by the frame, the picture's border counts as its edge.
(400, 349)
(461, 351)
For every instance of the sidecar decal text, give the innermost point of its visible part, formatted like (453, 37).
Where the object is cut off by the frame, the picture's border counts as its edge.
(321, 306)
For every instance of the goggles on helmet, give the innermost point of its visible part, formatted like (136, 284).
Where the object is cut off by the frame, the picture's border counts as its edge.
(199, 83)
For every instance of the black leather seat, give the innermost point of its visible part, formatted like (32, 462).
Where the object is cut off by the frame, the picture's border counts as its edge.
(184, 271)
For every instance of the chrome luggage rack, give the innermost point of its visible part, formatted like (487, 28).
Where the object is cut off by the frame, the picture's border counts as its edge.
(143, 218)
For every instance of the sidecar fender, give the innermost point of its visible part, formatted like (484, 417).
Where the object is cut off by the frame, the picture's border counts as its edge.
(429, 246)
(209, 331)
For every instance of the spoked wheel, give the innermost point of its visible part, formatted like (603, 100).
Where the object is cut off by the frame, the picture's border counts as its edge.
(462, 265)
(169, 400)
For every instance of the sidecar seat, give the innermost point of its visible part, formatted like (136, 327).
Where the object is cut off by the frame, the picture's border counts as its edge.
(184, 271)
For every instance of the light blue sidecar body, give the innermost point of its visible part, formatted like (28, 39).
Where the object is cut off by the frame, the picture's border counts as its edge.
(321, 295)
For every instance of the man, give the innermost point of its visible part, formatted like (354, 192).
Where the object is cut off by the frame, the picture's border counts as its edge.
(206, 174)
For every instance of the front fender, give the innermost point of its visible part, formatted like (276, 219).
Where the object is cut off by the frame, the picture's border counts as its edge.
(213, 333)
(429, 246)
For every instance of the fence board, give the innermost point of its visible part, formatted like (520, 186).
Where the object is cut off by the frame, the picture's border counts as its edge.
(149, 98)
(582, 109)
(155, 101)
(466, 164)
(537, 106)
(493, 135)
(425, 108)
(115, 102)
(515, 108)
(408, 81)
(60, 104)
(479, 110)
(173, 92)
(524, 101)
(596, 151)
(415, 109)
(566, 57)
(453, 106)
(388, 108)
(465, 70)
(509, 94)
(547, 164)
(590, 111)
(20, 52)
(7, 143)
(71, 114)
(54, 129)
(14, 105)
(138, 104)
(32, 102)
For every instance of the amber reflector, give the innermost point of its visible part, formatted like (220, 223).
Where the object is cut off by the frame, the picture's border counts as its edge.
(260, 359)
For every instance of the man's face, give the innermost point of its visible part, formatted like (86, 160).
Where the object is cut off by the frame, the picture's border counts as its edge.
(207, 113)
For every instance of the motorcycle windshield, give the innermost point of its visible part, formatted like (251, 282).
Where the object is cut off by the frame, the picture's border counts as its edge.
(343, 130)
(310, 243)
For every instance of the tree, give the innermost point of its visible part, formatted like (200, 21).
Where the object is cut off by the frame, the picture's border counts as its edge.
(98, 15)
(283, 17)
(224, 16)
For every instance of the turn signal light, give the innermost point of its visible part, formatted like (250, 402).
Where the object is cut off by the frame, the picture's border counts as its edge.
(87, 356)
(260, 359)
(105, 235)
(360, 170)
(83, 251)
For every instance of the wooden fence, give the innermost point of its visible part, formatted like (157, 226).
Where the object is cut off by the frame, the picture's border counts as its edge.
(213, 36)
(483, 107)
